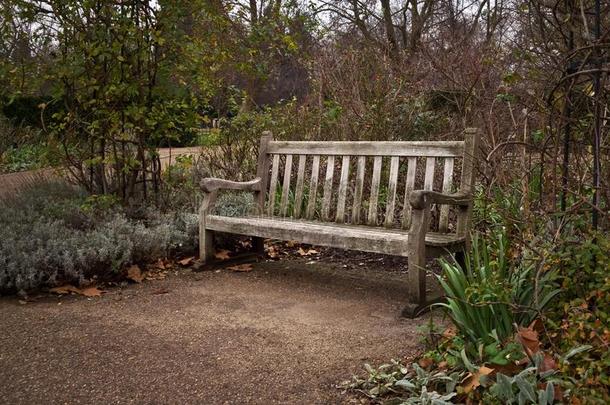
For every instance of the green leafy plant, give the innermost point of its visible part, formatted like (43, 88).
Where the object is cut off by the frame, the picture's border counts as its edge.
(413, 385)
(490, 294)
(523, 388)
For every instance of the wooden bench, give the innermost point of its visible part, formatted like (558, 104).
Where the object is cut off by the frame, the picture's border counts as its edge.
(383, 200)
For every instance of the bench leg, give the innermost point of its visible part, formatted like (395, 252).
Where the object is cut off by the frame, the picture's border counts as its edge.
(206, 246)
(258, 245)
(417, 262)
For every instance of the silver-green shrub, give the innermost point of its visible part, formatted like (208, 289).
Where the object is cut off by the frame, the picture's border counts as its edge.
(53, 234)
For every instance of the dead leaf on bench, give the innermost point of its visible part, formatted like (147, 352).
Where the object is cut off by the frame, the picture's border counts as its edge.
(307, 252)
(241, 267)
(135, 274)
(70, 289)
(222, 254)
(186, 261)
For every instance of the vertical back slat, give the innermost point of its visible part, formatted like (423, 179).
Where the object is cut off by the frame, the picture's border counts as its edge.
(340, 217)
(273, 183)
(443, 224)
(409, 185)
(389, 211)
(328, 187)
(357, 207)
(313, 187)
(286, 185)
(429, 175)
(471, 140)
(298, 195)
(372, 217)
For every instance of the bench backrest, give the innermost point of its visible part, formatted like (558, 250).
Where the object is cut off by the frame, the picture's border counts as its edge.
(362, 182)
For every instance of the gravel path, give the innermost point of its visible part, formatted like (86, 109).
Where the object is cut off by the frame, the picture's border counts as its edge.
(286, 332)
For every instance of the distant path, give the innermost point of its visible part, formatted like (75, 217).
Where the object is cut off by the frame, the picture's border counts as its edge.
(12, 183)
(286, 332)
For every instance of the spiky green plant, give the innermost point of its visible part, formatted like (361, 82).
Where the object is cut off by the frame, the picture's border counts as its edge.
(492, 293)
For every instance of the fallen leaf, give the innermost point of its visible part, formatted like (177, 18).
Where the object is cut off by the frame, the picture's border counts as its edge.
(64, 289)
(161, 291)
(450, 332)
(187, 261)
(90, 292)
(67, 289)
(272, 252)
(425, 362)
(474, 380)
(291, 243)
(548, 363)
(135, 274)
(155, 275)
(23, 302)
(222, 254)
(307, 252)
(529, 339)
(241, 267)
(160, 264)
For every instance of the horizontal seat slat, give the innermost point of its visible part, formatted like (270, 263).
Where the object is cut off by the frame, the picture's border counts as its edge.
(357, 237)
(363, 148)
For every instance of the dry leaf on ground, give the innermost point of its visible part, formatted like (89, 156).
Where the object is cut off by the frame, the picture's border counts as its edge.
(529, 339)
(135, 274)
(91, 292)
(425, 362)
(187, 261)
(241, 267)
(307, 252)
(474, 380)
(68, 289)
(222, 254)
(272, 252)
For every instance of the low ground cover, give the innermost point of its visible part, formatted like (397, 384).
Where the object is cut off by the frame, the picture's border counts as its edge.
(55, 233)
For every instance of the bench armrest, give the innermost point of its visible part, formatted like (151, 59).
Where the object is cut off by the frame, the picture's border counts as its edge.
(421, 199)
(212, 184)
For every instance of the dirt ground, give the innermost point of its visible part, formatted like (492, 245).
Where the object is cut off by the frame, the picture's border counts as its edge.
(289, 332)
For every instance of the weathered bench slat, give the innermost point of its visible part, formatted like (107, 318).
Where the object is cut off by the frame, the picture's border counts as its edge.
(361, 148)
(273, 183)
(340, 217)
(298, 195)
(357, 206)
(409, 184)
(374, 196)
(328, 188)
(344, 236)
(286, 185)
(467, 180)
(443, 222)
(429, 175)
(313, 187)
(392, 184)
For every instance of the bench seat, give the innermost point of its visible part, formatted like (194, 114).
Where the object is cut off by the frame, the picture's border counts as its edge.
(344, 236)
